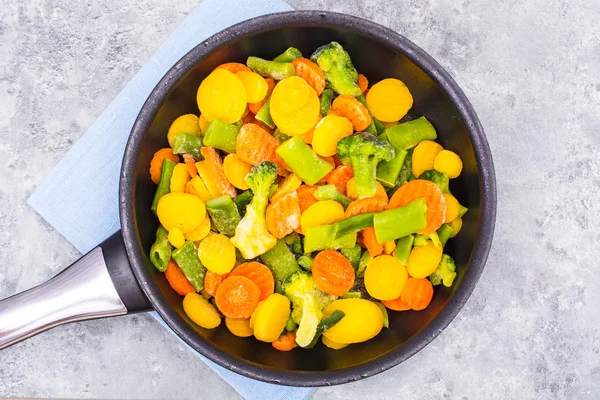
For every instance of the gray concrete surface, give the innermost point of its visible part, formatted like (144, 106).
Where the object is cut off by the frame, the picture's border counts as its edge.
(531, 329)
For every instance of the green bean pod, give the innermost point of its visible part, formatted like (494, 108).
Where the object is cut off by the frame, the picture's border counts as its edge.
(326, 323)
(188, 144)
(271, 69)
(289, 55)
(160, 252)
(187, 259)
(164, 185)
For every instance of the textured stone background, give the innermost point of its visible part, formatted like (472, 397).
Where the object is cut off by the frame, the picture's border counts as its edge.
(532, 326)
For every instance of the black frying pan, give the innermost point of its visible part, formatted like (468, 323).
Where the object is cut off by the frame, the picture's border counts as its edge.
(117, 277)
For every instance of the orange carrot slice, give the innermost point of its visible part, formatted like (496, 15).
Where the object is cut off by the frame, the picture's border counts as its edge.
(332, 273)
(340, 177)
(417, 293)
(366, 205)
(285, 342)
(283, 215)
(177, 279)
(212, 280)
(255, 145)
(306, 197)
(237, 297)
(363, 83)
(348, 107)
(311, 73)
(259, 274)
(396, 304)
(157, 162)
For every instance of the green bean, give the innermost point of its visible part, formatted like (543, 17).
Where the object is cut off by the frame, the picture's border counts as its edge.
(386, 318)
(305, 262)
(291, 325)
(326, 323)
(289, 55)
(188, 144)
(444, 233)
(271, 69)
(264, 114)
(187, 259)
(331, 192)
(353, 254)
(280, 260)
(164, 185)
(221, 135)
(326, 99)
(160, 252)
(224, 214)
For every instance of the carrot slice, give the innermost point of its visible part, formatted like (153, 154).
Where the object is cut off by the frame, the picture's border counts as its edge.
(157, 162)
(177, 279)
(217, 174)
(417, 293)
(283, 215)
(212, 280)
(234, 67)
(396, 304)
(190, 164)
(340, 177)
(237, 297)
(363, 83)
(306, 197)
(255, 107)
(311, 73)
(285, 342)
(255, 145)
(259, 274)
(434, 199)
(370, 241)
(348, 107)
(366, 205)
(333, 273)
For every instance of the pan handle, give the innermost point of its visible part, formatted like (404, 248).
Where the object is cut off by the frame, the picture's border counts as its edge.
(100, 284)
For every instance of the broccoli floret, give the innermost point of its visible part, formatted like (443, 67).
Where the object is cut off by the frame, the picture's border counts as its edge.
(251, 235)
(307, 304)
(439, 178)
(445, 272)
(338, 69)
(364, 151)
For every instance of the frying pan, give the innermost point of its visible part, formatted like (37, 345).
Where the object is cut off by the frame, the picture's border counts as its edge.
(118, 278)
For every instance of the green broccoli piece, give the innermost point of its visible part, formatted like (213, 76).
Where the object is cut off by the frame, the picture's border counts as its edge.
(338, 69)
(364, 151)
(445, 272)
(251, 235)
(308, 303)
(439, 178)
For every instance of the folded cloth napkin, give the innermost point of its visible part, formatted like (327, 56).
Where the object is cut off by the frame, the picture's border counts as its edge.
(90, 214)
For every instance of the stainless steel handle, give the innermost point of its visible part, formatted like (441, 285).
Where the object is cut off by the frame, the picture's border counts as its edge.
(82, 291)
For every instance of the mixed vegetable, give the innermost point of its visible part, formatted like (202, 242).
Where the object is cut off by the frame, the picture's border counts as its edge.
(298, 207)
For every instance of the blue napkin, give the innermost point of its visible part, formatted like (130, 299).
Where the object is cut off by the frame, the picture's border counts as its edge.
(82, 203)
